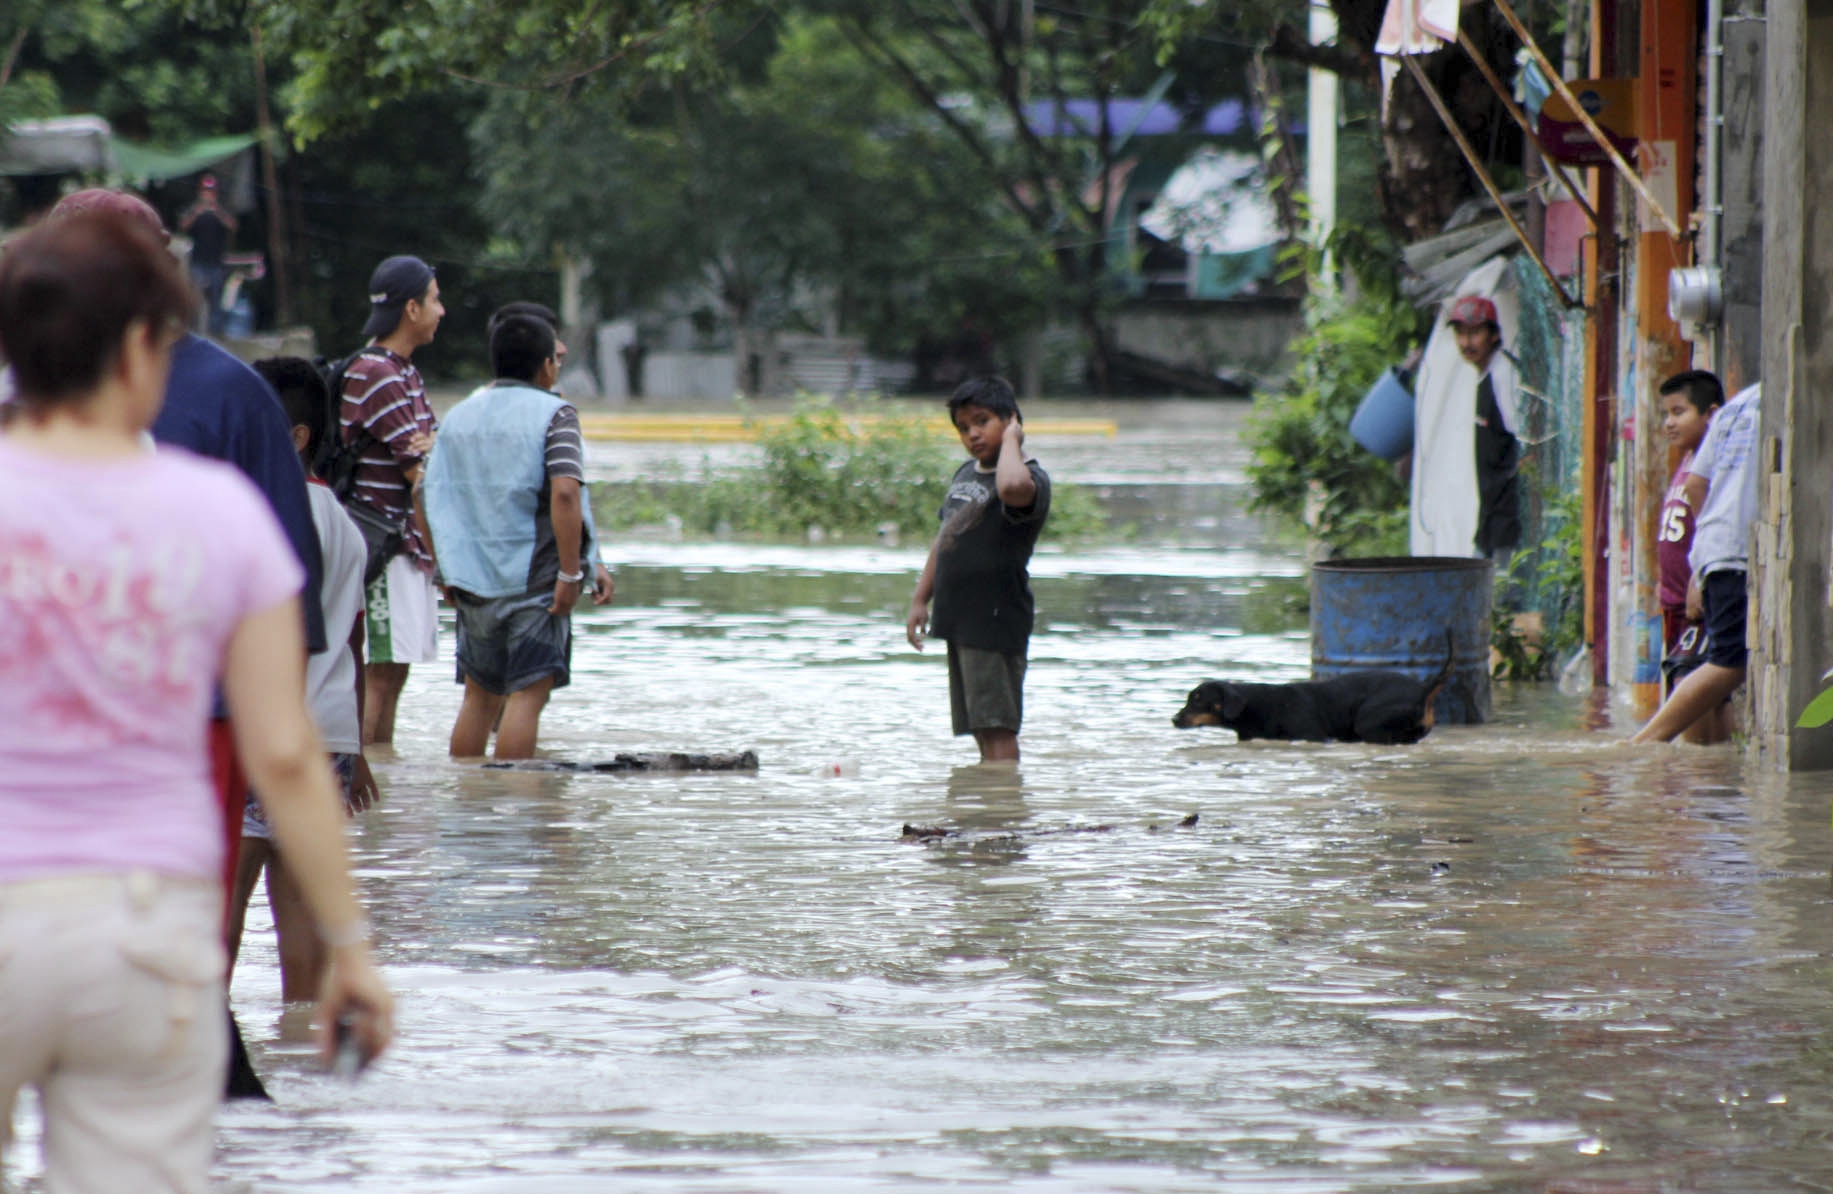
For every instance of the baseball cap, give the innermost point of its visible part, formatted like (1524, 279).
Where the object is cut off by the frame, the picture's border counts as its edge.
(391, 286)
(207, 182)
(1474, 308)
(119, 203)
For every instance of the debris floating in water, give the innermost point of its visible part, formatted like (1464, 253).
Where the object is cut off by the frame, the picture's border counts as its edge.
(653, 760)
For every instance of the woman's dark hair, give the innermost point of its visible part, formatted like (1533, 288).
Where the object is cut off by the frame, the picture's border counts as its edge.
(1701, 386)
(69, 290)
(991, 393)
(519, 346)
(302, 395)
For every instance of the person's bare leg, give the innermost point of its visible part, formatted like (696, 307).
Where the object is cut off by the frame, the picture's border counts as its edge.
(303, 958)
(997, 746)
(1713, 728)
(522, 720)
(248, 863)
(477, 716)
(382, 685)
(1701, 692)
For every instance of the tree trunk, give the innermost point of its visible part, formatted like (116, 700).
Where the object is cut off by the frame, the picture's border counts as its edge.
(1425, 177)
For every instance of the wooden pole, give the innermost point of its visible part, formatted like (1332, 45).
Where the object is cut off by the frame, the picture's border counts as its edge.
(1489, 184)
(276, 220)
(1527, 126)
(1604, 142)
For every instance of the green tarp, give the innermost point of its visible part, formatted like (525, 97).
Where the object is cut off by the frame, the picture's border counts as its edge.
(85, 145)
(153, 163)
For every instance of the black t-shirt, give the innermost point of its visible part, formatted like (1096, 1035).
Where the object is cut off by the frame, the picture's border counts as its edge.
(983, 592)
(209, 238)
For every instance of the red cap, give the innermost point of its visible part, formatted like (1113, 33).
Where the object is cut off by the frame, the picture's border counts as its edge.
(1474, 309)
(118, 203)
(207, 182)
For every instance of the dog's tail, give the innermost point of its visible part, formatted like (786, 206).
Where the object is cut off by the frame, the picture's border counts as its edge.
(1437, 684)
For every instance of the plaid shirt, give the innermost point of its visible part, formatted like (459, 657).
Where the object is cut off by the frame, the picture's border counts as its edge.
(384, 393)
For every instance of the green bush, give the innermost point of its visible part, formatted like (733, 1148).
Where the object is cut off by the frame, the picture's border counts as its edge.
(827, 468)
(1548, 577)
(1305, 467)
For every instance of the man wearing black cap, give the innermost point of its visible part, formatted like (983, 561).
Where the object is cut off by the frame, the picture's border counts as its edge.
(384, 407)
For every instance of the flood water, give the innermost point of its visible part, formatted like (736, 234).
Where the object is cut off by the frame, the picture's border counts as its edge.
(1515, 957)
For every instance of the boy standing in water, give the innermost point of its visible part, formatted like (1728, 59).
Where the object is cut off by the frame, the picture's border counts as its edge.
(996, 506)
(1688, 401)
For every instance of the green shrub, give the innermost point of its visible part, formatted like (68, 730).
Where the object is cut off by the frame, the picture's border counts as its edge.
(826, 467)
(1305, 467)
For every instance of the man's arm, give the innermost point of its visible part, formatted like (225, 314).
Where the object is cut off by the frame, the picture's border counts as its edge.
(563, 510)
(387, 412)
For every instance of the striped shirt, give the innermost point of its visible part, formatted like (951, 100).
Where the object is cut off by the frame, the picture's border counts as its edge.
(385, 394)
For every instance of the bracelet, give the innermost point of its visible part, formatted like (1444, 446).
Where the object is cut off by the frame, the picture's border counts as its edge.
(573, 578)
(354, 933)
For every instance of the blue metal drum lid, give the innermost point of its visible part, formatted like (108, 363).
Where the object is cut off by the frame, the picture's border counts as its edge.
(1403, 564)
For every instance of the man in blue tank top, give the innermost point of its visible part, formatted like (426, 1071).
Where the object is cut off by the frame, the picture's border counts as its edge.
(505, 501)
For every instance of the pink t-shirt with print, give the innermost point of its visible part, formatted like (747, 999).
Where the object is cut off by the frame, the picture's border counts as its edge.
(121, 581)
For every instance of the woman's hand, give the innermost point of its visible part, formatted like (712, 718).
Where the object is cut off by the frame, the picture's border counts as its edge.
(354, 988)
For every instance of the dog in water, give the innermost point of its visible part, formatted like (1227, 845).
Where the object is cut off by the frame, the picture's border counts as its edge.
(1367, 706)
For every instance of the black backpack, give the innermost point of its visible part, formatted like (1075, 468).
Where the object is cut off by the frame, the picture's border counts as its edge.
(335, 464)
(336, 461)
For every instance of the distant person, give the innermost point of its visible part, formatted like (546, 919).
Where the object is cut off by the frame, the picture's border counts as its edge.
(602, 583)
(1688, 402)
(976, 573)
(140, 577)
(218, 407)
(384, 407)
(334, 694)
(504, 500)
(1723, 486)
(210, 226)
(1466, 487)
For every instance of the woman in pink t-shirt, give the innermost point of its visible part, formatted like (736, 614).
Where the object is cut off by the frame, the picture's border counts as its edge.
(132, 582)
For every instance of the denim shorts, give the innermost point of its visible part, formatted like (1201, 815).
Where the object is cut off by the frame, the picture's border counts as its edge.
(1727, 609)
(506, 644)
(986, 689)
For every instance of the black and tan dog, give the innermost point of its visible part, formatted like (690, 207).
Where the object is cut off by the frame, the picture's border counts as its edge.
(1367, 706)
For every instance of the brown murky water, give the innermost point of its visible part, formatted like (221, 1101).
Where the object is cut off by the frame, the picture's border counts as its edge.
(1516, 957)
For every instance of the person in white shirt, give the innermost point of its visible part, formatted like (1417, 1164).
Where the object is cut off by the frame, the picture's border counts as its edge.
(334, 692)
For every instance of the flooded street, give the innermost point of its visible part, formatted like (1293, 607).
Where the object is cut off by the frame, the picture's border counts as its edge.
(1516, 957)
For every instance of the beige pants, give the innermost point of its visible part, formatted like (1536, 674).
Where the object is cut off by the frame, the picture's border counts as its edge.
(111, 1004)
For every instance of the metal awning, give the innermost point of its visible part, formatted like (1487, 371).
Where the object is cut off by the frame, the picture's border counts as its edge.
(59, 145)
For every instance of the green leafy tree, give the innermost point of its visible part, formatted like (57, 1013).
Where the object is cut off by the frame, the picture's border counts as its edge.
(801, 180)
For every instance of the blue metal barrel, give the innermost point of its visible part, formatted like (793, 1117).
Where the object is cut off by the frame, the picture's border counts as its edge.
(1393, 612)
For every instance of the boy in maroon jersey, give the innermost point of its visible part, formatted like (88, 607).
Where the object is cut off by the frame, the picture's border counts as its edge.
(1688, 401)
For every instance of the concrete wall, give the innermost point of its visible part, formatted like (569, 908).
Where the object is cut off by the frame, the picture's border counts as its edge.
(1792, 543)
(1740, 361)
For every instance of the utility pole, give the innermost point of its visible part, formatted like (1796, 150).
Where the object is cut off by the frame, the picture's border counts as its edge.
(1321, 137)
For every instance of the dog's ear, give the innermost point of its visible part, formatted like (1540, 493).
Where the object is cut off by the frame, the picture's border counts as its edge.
(1233, 703)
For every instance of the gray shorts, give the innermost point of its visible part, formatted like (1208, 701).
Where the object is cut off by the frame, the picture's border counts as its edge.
(986, 689)
(506, 644)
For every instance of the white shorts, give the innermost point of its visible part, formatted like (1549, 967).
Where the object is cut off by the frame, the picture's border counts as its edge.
(402, 622)
(111, 1004)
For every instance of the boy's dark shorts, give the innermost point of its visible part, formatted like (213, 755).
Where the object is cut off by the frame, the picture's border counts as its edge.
(506, 644)
(1727, 606)
(986, 689)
